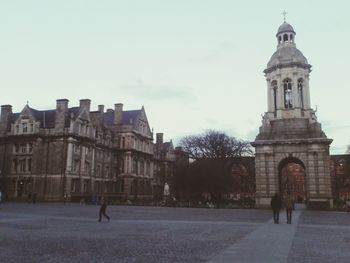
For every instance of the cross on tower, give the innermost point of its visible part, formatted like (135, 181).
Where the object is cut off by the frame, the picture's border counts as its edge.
(284, 13)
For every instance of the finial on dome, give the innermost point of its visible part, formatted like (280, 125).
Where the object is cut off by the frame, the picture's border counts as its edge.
(284, 13)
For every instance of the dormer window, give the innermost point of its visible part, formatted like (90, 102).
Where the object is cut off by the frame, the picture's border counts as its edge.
(24, 127)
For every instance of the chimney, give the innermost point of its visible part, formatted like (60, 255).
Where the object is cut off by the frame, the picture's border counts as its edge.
(61, 113)
(85, 103)
(62, 104)
(118, 113)
(101, 108)
(6, 112)
(159, 138)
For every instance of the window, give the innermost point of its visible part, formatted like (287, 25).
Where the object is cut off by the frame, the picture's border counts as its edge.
(31, 127)
(23, 148)
(14, 165)
(22, 165)
(98, 170)
(287, 86)
(24, 127)
(285, 38)
(76, 148)
(87, 167)
(122, 165)
(148, 168)
(134, 166)
(30, 147)
(29, 165)
(17, 129)
(75, 183)
(76, 165)
(85, 186)
(142, 168)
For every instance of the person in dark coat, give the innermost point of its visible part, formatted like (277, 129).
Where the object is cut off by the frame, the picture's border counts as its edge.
(276, 204)
(103, 209)
(288, 204)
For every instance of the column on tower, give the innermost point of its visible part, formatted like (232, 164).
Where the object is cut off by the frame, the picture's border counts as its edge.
(295, 93)
(270, 100)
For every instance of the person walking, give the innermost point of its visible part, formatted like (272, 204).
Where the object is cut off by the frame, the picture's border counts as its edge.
(103, 209)
(276, 205)
(288, 204)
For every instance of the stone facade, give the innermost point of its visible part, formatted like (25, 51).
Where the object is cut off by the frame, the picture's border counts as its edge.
(290, 132)
(79, 152)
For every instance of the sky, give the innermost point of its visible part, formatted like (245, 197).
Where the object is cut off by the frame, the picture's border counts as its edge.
(194, 65)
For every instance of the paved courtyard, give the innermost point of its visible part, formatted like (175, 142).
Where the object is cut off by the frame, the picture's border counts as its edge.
(70, 233)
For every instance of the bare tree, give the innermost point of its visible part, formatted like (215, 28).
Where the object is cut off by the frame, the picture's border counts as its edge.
(214, 154)
(215, 145)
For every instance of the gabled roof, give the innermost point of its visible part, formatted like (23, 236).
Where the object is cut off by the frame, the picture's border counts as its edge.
(128, 117)
(46, 117)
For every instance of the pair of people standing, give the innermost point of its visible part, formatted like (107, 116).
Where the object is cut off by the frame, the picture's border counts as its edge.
(276, 204)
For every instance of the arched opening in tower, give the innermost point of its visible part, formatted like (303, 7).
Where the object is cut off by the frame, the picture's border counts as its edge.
(292, 179)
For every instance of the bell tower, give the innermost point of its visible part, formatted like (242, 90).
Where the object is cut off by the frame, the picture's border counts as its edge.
(290, 133)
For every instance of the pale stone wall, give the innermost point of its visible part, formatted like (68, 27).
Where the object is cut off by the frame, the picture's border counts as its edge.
(317, 174)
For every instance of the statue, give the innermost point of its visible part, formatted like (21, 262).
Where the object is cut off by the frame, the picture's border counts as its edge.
(166, 190)
(288, 98)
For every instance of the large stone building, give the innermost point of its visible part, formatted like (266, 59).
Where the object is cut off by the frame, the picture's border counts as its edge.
(290, 133)
(80, 152)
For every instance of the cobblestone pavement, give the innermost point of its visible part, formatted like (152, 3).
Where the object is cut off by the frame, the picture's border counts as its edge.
(70, 233)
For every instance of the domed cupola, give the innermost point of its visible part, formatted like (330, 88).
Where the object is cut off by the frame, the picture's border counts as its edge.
(287, 54)
(285, 33)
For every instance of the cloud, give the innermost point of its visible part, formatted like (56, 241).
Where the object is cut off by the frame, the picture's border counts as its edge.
(158, 92)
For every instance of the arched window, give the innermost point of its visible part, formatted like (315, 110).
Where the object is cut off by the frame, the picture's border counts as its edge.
(274, 92)
(287, 87)
(300, 92)
(279, 39)
(285, 38)
(291, 38)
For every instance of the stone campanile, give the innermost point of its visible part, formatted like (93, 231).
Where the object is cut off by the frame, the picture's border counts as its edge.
(290, 133)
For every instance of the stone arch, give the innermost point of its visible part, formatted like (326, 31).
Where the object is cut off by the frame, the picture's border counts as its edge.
(299, 186)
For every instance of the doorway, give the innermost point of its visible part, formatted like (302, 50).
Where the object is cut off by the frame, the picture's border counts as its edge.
(292, 179)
